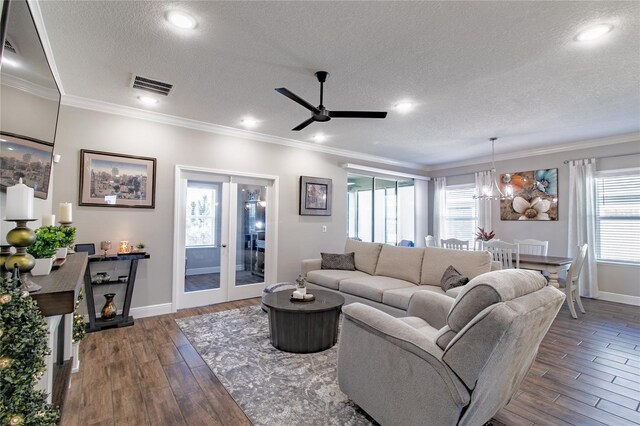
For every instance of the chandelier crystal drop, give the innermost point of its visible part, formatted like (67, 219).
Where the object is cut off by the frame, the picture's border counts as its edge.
(492, 191)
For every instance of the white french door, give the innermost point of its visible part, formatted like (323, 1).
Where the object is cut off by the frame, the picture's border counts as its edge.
(224, 236)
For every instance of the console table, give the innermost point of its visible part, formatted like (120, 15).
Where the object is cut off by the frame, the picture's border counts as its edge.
(56, 300)
(123, 319)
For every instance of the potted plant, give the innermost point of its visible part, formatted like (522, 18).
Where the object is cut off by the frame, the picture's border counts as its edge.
(79, 333)
(140, 248)
(66, 236)
(46, 244)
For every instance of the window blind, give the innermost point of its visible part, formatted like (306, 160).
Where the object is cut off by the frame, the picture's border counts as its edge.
(461, 216)
(618, 217)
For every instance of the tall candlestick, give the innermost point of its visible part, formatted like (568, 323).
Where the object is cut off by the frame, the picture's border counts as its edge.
(64, 212)
(19, 202)
(48, 220)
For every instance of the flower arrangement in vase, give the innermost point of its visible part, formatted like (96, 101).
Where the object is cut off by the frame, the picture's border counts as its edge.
(483, 235)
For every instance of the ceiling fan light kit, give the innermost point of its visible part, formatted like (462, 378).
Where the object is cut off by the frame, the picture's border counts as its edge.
(320, 113)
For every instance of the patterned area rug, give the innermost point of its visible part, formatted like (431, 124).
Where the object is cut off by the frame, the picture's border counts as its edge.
(272, 387)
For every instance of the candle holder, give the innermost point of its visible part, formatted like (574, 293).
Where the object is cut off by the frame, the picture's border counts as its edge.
(65, 224)
(22, 237)
(106, 246)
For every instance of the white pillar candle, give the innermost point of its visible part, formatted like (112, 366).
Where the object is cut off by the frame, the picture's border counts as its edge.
(48, 220)
(64, 212)
(19, 202)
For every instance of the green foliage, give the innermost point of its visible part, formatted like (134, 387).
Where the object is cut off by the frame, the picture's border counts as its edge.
(140, 246)
(23, 347)
(79, 327)
(51, 238)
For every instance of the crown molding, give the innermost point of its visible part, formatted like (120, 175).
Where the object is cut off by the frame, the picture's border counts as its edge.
(571, 146)
(30, 87)
(36, 13)
(110, 108)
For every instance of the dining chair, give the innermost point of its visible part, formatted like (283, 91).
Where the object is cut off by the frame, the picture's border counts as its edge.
(454, 243)
(505, 253)
(531, 246)
(570, 285)
(430, 241)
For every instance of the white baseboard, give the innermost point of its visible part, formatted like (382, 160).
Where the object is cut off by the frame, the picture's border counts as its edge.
(209, 270)
(151, 310)
(619, 298)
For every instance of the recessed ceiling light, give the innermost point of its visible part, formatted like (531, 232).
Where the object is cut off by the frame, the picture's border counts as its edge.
(181, 20)
(10, 62)
(593, 32)
(404, 107)
(147, 100)
(319, 137)
(249, 122)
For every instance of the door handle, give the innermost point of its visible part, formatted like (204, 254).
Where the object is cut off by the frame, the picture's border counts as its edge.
(223, 246)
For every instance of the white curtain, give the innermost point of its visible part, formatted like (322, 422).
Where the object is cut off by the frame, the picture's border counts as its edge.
(582, 225)
(439, 207)
(484, 179)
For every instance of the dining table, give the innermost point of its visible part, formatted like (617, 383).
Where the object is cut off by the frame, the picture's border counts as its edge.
(550, 264)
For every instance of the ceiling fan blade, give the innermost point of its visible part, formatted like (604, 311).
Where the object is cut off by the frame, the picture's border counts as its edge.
(298, 99)
(303, 124)
(357, 114)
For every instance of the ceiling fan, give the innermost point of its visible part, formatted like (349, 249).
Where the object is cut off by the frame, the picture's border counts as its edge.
(321, 113)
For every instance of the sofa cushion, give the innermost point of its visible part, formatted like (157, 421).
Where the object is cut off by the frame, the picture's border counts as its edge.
(366, 254)
(372, 287)
(344, 262)
(468, 263)
(452, 278)
(400, 297)
(331, 278)
(404, 263)
(421, 326)
(491, 288)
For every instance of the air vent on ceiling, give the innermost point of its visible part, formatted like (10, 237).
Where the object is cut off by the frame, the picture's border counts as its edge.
(9, 46)
(150, 85)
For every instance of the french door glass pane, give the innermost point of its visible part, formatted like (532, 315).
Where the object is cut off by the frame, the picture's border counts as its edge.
(250, 240)
(202, 248)
(406, 210)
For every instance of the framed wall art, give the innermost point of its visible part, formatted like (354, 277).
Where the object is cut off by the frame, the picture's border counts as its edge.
(117, 180)
(535, 195)
(315, 196)
(28, 159)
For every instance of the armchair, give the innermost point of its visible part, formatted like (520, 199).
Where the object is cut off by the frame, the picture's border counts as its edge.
(450, 362)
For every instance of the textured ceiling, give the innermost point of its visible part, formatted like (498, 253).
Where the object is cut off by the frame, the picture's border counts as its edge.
(474, 69)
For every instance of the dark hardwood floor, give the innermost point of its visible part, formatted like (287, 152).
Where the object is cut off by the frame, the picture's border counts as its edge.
(587, 373)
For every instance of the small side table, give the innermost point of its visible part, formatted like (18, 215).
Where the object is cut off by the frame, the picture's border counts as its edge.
(121, 320)
(303, 327)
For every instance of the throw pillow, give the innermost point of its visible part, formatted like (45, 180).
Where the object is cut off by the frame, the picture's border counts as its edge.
(452, 278)
(345, 262)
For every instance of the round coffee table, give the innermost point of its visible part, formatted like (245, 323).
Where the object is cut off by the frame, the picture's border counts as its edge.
(303, 327)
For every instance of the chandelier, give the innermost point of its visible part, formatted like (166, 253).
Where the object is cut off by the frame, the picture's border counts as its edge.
(492, 190)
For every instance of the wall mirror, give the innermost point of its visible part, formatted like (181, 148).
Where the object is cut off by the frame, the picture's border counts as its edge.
(29, 102)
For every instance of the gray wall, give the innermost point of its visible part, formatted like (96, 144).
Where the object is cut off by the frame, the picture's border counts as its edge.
(299, 237)
(620, 279)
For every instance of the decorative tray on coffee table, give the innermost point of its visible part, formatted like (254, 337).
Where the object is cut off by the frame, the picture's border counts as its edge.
(308, 298)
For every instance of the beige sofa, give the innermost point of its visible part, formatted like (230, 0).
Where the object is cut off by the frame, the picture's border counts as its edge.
(386, 277)
(450, 361)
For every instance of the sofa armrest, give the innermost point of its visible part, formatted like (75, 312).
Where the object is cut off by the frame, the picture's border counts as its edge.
(431, 307)
(309, 265)
(406, 338)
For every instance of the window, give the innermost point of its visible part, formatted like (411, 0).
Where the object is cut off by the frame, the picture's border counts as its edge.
(618, 216)
(380, 209)
(461, 213)
(201, 218)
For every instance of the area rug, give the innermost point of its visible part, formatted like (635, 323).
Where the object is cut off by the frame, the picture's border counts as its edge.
(271, 387)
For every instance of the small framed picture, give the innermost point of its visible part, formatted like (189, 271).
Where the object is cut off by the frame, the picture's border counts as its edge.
(117, 180)
(28, 159)
(315, 196)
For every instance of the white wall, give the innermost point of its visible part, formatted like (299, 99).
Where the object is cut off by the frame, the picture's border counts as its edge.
(300, 237)
(612, 278)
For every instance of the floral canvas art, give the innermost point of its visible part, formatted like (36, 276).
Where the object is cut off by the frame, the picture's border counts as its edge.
(535, 195)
